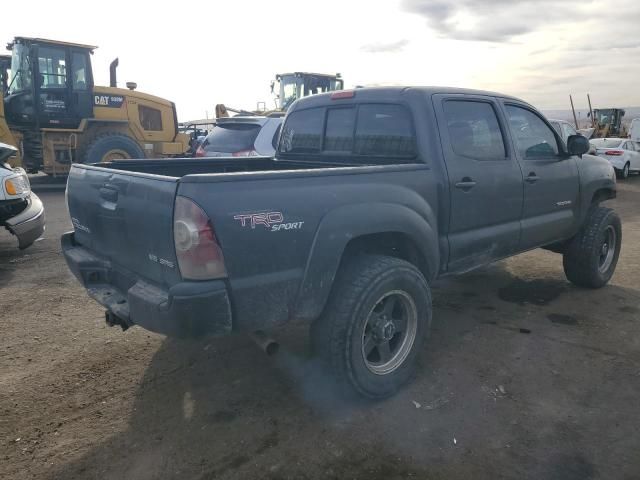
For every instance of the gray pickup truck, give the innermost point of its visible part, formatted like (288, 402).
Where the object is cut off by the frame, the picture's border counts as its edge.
(372, 195)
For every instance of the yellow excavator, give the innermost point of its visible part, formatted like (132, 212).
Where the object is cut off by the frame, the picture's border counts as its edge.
(55, 114)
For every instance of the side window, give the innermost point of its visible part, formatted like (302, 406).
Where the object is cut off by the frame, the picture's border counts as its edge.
(533, 138)
(79, 71)
(53, 68)
(150, 118)
(276, 136)
(474, 130)
(629, 146)
(339, 134)
(385, 131)
(302, 132)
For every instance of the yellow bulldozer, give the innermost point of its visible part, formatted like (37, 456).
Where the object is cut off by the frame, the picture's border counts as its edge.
(55, 114)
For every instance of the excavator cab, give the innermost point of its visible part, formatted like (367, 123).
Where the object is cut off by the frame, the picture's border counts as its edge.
(50, 85)
(292, 86)
(608, 122)
(5, 72)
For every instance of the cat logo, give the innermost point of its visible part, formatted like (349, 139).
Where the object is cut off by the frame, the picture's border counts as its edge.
(110, 101)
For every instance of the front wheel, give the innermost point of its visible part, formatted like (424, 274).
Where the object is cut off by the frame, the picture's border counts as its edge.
(374, 324)
(111, 146)
(592, 255)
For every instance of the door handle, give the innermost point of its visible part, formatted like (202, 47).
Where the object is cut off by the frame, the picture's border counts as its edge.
(466, 184)
(532, 178)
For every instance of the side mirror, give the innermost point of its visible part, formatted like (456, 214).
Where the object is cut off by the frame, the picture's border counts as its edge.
(577, 145)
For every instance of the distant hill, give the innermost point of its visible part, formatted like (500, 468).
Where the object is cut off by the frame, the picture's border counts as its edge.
(631, 113)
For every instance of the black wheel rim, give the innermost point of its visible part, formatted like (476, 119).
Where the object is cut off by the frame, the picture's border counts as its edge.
(607, 249)
(389, 332)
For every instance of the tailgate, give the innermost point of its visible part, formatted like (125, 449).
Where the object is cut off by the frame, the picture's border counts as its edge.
(125, 218)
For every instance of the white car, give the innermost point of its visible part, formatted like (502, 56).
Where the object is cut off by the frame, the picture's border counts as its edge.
(242, 136)
(623, 154)
(21, 211)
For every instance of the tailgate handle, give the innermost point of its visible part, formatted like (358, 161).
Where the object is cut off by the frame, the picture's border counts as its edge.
(109, 192)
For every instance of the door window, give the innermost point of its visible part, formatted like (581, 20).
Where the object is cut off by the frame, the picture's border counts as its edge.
(384, 131)
(79, 68)
(474, 130)
(534, 139)
(53, 67)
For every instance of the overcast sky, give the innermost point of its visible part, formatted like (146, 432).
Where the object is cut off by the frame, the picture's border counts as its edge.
(198, 54)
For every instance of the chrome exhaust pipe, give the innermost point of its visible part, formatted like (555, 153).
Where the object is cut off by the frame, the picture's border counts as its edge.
(267, 344)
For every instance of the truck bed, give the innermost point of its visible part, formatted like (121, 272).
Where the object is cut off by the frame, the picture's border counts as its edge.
(180, 167)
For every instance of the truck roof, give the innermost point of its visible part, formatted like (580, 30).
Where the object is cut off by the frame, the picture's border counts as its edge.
(395, 94)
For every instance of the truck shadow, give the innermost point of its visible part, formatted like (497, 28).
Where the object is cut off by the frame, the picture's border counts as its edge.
(219, 409)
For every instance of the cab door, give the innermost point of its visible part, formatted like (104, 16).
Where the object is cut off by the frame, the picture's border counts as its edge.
(551, 179)
(485, 181)
(81, 85)
(51, 87)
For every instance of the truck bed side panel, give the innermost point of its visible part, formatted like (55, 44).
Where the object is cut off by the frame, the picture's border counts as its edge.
(268, 234)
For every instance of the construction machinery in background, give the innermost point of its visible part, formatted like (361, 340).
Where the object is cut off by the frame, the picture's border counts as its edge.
(287, 88)
(605, 122)
(56, 115)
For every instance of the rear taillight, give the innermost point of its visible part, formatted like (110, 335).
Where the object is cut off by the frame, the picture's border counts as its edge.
(200, 152)
(614, 153)
(197, 249)
(245, 153)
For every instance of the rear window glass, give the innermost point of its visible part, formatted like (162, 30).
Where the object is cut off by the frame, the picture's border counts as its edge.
(384, 131)
(606, 143)
(231, 137)
(367, 130)
(339, 134)
(302, 132)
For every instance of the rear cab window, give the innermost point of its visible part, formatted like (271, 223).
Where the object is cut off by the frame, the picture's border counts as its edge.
(366, 133)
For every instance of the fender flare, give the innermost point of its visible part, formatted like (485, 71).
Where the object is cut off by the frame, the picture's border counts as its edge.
(344, 224)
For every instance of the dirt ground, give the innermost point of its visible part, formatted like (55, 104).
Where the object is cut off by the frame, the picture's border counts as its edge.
(524, 376)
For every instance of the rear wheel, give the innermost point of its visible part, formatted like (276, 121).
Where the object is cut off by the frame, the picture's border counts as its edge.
(374, 325)
(111, 146)
(592, 255)
(624, 173)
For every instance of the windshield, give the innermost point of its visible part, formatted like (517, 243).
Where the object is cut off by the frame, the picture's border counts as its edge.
(289, 90)
(231, 138)
(20, 69)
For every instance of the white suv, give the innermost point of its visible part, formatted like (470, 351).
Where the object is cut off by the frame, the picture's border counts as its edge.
(242, 136)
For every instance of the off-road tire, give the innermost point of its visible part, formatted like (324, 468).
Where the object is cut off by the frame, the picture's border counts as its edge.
(337, 335)
(104, 143)
(582, 258)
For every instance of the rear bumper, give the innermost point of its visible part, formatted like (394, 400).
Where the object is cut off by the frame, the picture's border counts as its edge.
(28, 225)
(187, 309)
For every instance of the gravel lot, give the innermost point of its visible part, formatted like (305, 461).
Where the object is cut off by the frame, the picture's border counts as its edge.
(524, 376)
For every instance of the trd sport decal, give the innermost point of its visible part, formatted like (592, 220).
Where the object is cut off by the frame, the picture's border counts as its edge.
(272, 221)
